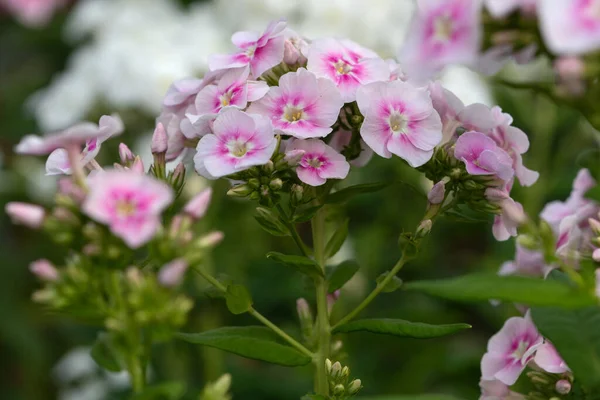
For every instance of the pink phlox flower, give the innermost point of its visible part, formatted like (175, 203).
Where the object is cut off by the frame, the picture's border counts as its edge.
(506, 224)
(341, 139)
(570, 26)
(548, 359)
(260, 51)
(319, 162)
(502, 8)
(239, 141)
(442, 32)
(302, 106)
(295, 47)
(129, 203)
(496, 390)
(77, 135)
(32, 13)
(182, 92)
(526, 263)
(482, 156)
(510, 350)
(455, 114)
(399, 119)
(347, 64)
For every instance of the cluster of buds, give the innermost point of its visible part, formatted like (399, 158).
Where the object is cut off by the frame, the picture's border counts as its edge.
(340, 385)
(550, 386)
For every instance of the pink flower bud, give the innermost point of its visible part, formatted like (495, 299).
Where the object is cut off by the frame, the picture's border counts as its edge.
(138, 166)
(303, 309)
(563, 386)
(496, 195)
(437, 193)
(172, 273)
(44, 270)
(569, 68)
(211, 239)
(197, 206)
(30, 215)
(290, 53)
(125, 154)
(293, 157)
(160, 140)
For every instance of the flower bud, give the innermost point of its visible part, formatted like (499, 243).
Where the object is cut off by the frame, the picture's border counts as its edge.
(125, 154)
(331, 299)
(197, 206)
(345, 372)
(29, 215)
(297, 192)
(222, 384)
(596, 255)
(563, 386)
(276, 184)
(336, 370)
(240, 191)
(293, 157)
(160, 139)
(269, 167)
(210, 239)
(138, 165)
(496, 195)
(437, 193)
(354, 387)
(338, 389)
(178, 176)
(424, 228)
(44, 270)
(328, 366)
(595, 225)
(303, 309)
(291, 53)
(172, 273)
(569, 68)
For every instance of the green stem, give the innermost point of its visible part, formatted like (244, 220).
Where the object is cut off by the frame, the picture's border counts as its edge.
(380, 286)
(292, 227)
(324, 330)
(137, 373)
(252, 311)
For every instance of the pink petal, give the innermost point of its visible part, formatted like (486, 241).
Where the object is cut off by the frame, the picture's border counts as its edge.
(268, 56)
(58, 163)
(401, 146)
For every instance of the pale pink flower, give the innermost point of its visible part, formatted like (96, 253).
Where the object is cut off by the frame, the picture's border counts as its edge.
(76, 135)
(515, 142)
(182, 92)
(502, 8)
(32, 13)
(302, 106)
(570, 26)
(171, 274)
(496, 390)
(129, 203)
(260, 52)
(29, 215)
(341, 139)
(443, 32)
(548, 359)
(482, 156)
(399, 119)
(197, 206)
(239, 141)
(319, 162)
(509, 350)
(506, 224)
(294, 47)
(347, 64)
(527, 263)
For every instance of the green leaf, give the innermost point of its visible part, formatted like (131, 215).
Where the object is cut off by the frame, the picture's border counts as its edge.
(270, 222)
(342, 274)
(347, 193)
(518, 289)
(399, 327)
(255, 342)
(337, 240)
(104, 354)
(393, 285)
(300, 263)
(238, 299)
(163, 391)
(306, 214)
(576, 336)
(593, 193)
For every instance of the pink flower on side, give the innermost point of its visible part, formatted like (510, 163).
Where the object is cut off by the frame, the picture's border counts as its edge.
(29, 215)
(505, 224)
(548, 359)
(260, 52)
(32, 13)
(570, 26)
(509, 350)
(319, 162)
(341, 139)
(83, 133)
(302, 106)
(347, 64)
(482, 156)
(527, 263)
(443, 32)
(399, 119)
(239, 141)
(129, 203)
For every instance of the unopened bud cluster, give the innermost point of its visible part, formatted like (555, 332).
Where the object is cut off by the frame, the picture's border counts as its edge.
(341, 387)
(550, 386)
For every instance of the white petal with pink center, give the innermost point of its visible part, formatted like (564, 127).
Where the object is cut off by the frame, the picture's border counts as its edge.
(319, 162)
(347, 64)
(239, 141)
(129, 203)
(302, 106)
(399, 119)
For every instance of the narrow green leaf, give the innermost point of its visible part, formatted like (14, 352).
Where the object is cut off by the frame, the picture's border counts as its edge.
(255, 342)
(393, 285)
(576, 336)
(347, 193)
(238, 299)
(337, 240)
(518, 289)
(342, 274)
(163, 391)
(401, 328)
(104, 354)
(300, 263)
(306, 214)
(270, 222)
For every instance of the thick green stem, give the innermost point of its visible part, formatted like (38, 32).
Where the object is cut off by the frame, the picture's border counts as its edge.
(137, 373)
(324, 330)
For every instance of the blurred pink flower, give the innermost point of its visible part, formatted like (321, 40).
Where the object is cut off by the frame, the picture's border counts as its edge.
(319, 162)
(29, 215)
(32, 13)
(527, 262)
(197, 206)
(172, 274)
(44, 270)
